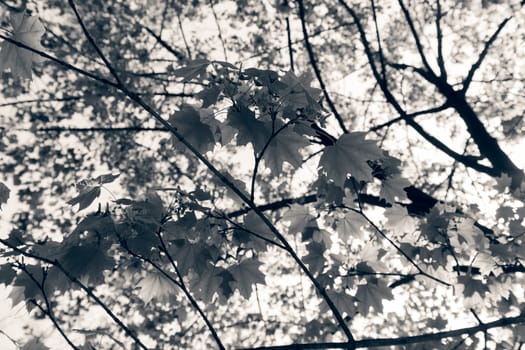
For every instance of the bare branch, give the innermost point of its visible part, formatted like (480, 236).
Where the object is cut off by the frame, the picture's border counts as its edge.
(419, 46)
(482, 55)
(221, 38)
(373, 343)
(315, 67)
(87, 290)
(439, 37)
(467, 161)
(290, 46)
(411, 115)
(165, 45)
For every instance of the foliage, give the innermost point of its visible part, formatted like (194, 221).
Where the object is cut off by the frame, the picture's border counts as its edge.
(232, 207)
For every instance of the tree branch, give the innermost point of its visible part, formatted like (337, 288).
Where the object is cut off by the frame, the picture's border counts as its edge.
(439, 37)
(87, 290)
(290, 46)
(221, 38)
(437, 109)
(419, 46)
(384, 342)
(482, 55)
(467, 161)
(164, 44)
(315, 67)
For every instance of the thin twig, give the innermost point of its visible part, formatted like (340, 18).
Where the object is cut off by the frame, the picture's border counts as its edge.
(482, 55)
(290, 46)
(92, 42)
(87, 290)
(315, 67)
(221, 38)
(439, 37)
(419, 46)
(48, 310)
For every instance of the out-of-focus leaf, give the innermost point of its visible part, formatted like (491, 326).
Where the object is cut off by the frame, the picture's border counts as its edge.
(27, 30)
(156, 286)
(4, 194)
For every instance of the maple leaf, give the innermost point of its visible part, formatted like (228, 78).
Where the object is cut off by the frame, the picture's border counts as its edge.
(209, 95)
(194, 69)
(188, 122)
(349, 155)
(190, 256)
(89, 190)
(298, 92)
(392, 188)
(250, 129)
(349, 226)
(398, 220)
(34, 344)
(315, 258)
(4, 194)
(87, 262)
(343, 301)
(371, 295)
(7, 274)
(27, 30)
(284, 147)
(156, 286)
(299, 217)
(246, 274)
(207, 283)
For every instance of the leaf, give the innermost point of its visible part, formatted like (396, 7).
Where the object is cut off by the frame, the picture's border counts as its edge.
(85, 197)
(89, 190)
(190, 256)
(209, 95)
(4, 194)
(87, 262)
(372, 295)
(284, 147)
(207, 283)
(250, 129)
(106, 178)
(27, 30)
(343, 301)
(392, 188)
(315, 258)
(156, 286)
(246, 274)
(24, 287)
(349, 226)
(298, 92)
(398, 220)
(188, 122)
(7, 274)
(194, 69)
(34, 344)
(349, 155)
(299, 217)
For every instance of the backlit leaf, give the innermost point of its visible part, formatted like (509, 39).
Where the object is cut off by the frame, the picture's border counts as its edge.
(246, 274)
(27, 30)
(284, 147)
(349, 155)
(250, 129)
(188, 122)
(371, 295)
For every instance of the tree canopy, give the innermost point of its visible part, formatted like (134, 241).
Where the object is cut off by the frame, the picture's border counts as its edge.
(262, 174)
